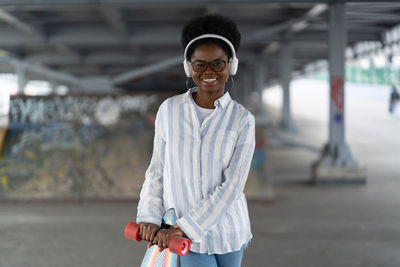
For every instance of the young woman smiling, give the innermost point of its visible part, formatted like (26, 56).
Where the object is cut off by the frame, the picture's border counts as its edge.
(203, 146)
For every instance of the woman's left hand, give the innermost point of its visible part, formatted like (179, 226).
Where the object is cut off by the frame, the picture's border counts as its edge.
(164, 236)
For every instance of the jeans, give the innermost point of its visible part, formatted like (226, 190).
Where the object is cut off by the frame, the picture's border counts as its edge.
(232, 259)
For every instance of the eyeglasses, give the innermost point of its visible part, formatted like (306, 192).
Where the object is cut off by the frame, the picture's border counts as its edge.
(216, 65)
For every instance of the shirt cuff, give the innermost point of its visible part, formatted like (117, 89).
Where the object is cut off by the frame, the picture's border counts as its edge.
(149, 219)
(191, 228)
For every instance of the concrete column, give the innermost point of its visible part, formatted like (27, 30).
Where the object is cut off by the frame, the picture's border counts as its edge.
(259, 82)
(262, 186)
(250, 87)
(53, 86)
(22, 78)
(245, 87)
(336, 163)
(286, 55)
(235, 87)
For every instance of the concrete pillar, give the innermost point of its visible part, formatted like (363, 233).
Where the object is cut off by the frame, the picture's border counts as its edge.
(250, 85)
(22, 78)
(259, 82)
(232, 85)
(259, 185)
(245, 85)
(286, 55)
(336, 163)
(53, 86)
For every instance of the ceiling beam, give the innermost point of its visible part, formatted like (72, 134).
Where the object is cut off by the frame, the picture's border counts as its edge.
(146, 70)
(113, 18)
(30, 30)
(51, 75)
(373, 16)
(18, 24)
(99, 39)
(293, 25)
(157, 3)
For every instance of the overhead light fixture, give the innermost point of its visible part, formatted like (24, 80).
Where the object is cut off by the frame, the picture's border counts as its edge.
(271, 48)
(365, 64)
(299, 26)
(396, 60)
(317, 10)
(379, 60)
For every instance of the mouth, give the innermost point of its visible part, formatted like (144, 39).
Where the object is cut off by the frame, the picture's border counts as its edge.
(209, 81)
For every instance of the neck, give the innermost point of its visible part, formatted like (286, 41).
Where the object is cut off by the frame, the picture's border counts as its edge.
(206, 100)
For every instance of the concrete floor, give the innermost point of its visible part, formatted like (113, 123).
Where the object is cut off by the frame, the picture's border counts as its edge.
(340, 225)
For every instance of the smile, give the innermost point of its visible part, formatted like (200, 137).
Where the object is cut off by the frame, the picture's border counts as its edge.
(209, 80)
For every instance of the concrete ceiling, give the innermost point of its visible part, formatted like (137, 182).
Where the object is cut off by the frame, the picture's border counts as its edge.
(118, 38)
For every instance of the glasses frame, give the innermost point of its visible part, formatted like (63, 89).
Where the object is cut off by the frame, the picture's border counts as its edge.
(209, 64)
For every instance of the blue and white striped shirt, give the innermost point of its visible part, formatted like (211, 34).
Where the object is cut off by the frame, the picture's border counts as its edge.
(200, 170)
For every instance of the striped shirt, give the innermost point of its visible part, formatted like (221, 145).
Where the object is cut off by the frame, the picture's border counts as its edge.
(201, 171)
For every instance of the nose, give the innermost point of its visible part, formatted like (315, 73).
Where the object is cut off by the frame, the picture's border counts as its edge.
(208, 67)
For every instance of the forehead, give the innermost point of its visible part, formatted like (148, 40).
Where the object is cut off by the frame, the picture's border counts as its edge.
(209, 52)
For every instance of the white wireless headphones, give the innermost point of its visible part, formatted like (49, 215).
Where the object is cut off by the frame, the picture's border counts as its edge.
(233, 62)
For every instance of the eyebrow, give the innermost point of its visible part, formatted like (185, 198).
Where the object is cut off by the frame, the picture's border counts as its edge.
(211, 60)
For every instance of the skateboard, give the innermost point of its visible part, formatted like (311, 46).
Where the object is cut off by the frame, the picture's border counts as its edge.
(168, 257)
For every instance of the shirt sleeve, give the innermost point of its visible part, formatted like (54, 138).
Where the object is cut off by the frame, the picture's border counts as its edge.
(150, 207)
(197, 222)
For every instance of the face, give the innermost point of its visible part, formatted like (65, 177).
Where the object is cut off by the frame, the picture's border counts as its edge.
(209, 80)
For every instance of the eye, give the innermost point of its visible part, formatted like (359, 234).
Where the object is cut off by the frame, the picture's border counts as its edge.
(218, 64)
(198, 64)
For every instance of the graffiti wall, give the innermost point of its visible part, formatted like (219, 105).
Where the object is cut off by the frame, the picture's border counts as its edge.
(77, 147)
(86, 147)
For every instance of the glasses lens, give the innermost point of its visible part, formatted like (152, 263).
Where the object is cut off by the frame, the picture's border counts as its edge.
(218, 65)
(199, 66)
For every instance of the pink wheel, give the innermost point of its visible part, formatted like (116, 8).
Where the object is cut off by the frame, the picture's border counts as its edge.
(132, 231)
(179, 245)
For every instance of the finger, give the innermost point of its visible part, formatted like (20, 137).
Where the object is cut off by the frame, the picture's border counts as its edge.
(152, 236)
(155, 240)
(141, 230)
(144, 234)
(160, 243)
(148, 233)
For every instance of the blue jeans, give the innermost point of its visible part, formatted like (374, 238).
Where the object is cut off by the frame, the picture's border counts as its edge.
(232, 259)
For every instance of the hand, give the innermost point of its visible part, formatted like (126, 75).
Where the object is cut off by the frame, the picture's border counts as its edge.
(164, 236)
(148, 231)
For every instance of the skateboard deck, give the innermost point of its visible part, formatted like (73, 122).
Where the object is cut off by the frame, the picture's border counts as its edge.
(168, 257)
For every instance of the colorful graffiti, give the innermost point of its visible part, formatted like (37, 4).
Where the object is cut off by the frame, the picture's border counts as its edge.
(337, 96)
(76, 147)
(83, 147)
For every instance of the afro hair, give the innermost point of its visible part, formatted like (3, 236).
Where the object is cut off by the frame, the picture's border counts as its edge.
(211, 23)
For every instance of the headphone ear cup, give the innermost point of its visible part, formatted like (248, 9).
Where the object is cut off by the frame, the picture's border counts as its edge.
(233, 66)
(186, 67)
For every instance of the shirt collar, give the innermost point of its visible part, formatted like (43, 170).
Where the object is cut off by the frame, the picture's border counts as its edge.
(223, 101)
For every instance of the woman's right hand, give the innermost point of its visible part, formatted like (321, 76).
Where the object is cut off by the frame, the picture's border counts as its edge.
(148, 231)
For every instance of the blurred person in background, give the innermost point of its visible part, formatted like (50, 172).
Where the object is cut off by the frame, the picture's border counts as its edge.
(394, 99)
(203, 146)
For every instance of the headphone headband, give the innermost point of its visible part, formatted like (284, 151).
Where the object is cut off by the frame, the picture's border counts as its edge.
(233, 61)
(210, 35)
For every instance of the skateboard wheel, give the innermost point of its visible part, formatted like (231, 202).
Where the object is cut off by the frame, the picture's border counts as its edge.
(132, 231)
(179, 245)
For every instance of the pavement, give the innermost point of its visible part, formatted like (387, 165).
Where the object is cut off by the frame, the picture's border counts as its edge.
(304, 226)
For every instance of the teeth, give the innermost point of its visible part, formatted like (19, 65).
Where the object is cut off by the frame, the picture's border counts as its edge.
(209, 80)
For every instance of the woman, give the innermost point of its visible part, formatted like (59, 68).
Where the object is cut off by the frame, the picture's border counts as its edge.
(203, 146)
